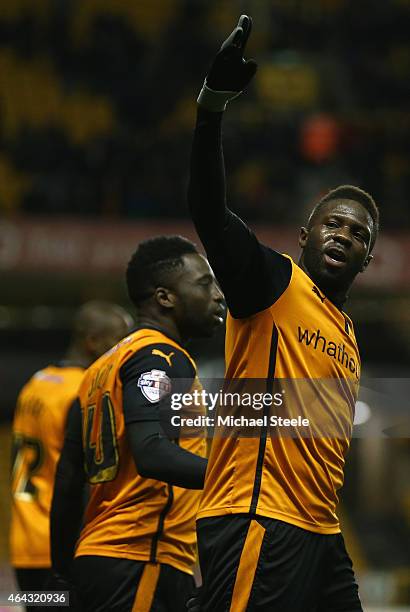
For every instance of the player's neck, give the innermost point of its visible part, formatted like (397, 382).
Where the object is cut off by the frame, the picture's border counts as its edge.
(75, 357)
(337, 295)
(162, 324)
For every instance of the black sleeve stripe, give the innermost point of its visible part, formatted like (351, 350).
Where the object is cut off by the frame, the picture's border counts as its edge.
(148, 379)
(264, 433)
(264, 279)
(158, 356)
(73, 427)
(251, 275)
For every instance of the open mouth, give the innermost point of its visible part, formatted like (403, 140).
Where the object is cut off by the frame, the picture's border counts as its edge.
(335, 257)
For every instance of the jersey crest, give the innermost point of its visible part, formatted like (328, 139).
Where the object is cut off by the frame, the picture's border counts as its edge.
(154, 385)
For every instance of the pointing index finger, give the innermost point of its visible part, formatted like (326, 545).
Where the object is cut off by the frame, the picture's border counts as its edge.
(239, 36)
(245, 23)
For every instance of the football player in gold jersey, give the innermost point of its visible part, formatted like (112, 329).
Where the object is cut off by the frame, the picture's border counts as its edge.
(38, 435)
(137, 544)
(268, 532)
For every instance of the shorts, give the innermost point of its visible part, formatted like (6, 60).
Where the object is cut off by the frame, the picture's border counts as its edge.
(257, 563)
(107, 584)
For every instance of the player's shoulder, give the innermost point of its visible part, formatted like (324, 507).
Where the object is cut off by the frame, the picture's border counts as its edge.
(278, 259)
(144, 350)
(135, 342)
(53, 376)
(159, 358)
(153, 344)
(47, 395)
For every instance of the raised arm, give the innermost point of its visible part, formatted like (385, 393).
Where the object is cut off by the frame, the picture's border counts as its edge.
(232, 249)
(227, 77)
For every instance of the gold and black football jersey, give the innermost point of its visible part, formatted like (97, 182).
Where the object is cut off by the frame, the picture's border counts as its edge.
(38, 436)
(128, 515)
(293, 478)
(280, 326)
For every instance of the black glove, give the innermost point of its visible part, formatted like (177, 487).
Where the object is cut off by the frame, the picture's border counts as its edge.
(230, 73)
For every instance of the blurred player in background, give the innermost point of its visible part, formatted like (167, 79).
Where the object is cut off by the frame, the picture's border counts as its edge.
(268, 533)
(38, 436)
(137, 544)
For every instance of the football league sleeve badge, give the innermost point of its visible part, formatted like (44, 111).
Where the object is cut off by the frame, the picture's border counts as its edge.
(154, 385)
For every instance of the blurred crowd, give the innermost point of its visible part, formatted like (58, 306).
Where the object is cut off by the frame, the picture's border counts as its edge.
(97, 105)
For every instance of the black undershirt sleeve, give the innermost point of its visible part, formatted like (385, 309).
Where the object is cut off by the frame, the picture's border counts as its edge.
(68, 503)
(252, 276)
(147, 415)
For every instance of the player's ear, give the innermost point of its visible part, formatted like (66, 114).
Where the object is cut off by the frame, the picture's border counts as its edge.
(303, 234)
(165, 297)
(366, 262)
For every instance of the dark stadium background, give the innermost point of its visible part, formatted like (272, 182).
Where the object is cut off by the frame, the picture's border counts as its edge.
(97, 105)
